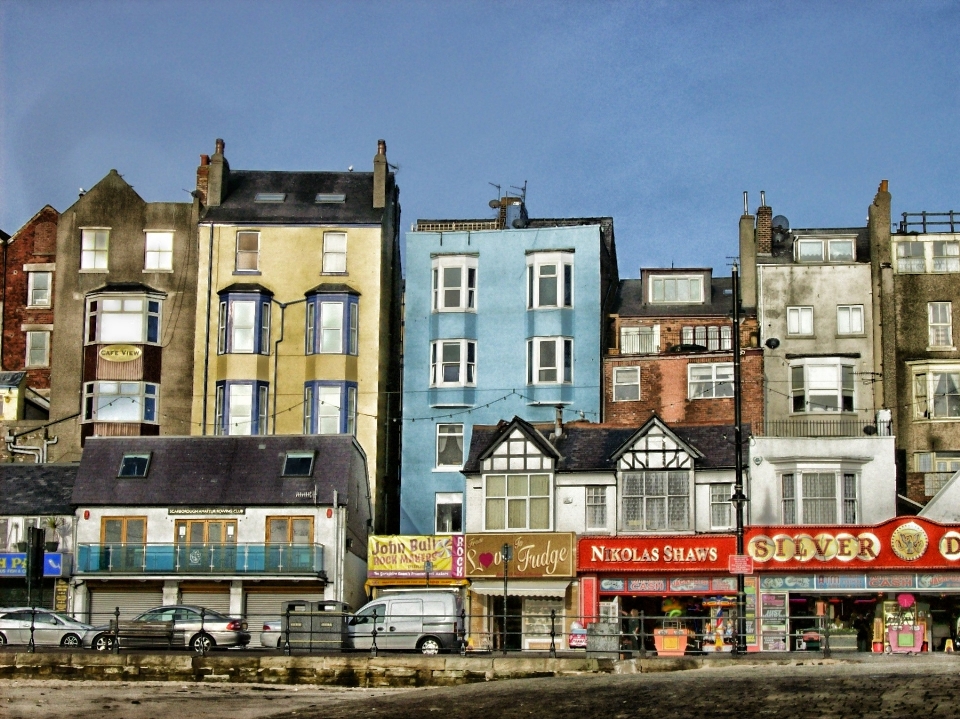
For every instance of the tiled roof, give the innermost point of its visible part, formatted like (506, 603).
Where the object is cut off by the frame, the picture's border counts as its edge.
(589, 447)
(28, 489)
(219, 471)
(300, 205)
(11, 379)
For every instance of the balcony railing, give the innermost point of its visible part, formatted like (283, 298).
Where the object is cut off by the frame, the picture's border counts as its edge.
(637, 344)
(833, 427)
(930, 221)
(199, 558)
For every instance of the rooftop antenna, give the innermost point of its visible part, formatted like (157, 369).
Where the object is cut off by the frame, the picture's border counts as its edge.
(521, 190)
(498, 188)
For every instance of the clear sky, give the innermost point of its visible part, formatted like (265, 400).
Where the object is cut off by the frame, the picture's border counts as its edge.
(657, 113)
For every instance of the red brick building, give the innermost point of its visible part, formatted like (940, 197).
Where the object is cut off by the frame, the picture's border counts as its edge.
(29, 266)
(672, 352)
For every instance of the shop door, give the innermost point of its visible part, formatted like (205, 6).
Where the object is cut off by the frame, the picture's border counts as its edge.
(514, 634)
(123, 544)
(217, 601)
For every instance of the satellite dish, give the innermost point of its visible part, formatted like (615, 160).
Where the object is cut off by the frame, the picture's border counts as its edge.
(494, 204)
(780, 223)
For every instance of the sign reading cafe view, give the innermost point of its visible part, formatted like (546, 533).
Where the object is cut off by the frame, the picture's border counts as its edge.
(534, 555)
(120, 353)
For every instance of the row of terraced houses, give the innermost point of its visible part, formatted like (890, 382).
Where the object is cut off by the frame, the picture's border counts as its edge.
(233, 401)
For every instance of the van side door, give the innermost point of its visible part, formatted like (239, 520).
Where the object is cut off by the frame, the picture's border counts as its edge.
(404, 624)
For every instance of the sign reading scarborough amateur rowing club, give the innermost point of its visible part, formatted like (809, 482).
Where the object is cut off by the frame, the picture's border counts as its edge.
(120, 353)
(534, 555)
(406, 556)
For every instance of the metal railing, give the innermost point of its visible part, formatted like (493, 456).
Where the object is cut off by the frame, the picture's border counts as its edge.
(199, 558)
(834, 427)
(949, 221)
(632, 343)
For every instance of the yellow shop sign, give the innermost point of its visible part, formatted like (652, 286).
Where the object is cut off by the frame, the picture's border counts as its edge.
(120, 353)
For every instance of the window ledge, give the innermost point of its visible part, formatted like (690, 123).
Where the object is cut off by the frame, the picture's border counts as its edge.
(89, 270)
(941, 349)
(459, 310)
(927, 420)
(247, 272)
(50, 307)
(158, 272)
(448, 470)
(851, 336)
(334, 274)
(803, 337)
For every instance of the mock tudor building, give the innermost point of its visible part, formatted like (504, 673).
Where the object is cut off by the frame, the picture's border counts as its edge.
(235, 524)
(125, 311)
(298, 309)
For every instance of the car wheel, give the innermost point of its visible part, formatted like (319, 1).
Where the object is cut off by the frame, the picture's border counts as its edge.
(70, 640)
(429, 645)
(102, 643)
(202, 643)
(3, 640)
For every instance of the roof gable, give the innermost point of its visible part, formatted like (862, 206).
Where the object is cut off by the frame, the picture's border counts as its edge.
(515, 431)
(655, 445)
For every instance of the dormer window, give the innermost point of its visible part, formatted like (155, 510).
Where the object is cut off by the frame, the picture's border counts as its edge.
(270, 197)
(676, 289)
(814, 250)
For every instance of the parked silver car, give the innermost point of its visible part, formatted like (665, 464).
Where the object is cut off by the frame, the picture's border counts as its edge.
(189, 630)
(271, 634)
(49, 628)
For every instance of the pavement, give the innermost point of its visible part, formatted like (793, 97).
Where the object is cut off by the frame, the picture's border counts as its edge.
(888, 687)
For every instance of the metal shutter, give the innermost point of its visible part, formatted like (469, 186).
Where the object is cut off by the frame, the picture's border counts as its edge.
(263, 606)
(217, 601)
(103, 604)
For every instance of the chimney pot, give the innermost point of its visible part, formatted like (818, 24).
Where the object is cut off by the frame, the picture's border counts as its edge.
(220, 146)
(381, 147)
(763, 198)
(883, 186)
(204, 160)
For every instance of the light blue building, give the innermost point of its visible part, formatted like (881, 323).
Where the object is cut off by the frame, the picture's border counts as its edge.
(503, 317)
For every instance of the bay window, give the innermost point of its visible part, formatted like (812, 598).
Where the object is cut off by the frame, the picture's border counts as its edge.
(454, 281)
(332, 322)
(241, 407)
(120, 402)
(550, 360)
(936, 392)
(123, 318)
(821, 386)
(453, 363)
(244, 321)
(549, 280)
(330, 407)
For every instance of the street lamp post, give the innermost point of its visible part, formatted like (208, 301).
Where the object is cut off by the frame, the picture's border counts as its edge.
(506, 554)
(738, 498)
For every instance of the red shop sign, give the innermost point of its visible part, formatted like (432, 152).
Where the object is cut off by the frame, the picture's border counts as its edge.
(689, 553)
(901, 543)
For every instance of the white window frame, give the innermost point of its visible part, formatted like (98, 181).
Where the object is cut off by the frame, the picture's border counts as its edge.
(720, 495)
(563, 351)
(467, 373)
(247, 256)
(235, 327)
(144, 395)
(929, 261)
(334, 260)
(847, 496)
(849, 315)
(449, 430)
(38, 343)
(811, 386)
(639, 340)
(447, 499)
(94, 249)
(330, 326)
(506, 498)
(661, 280)
(595, 515)
(564, 264)
(619, 383)
(721, 374)
(160, 257)
(329, 398)
(642, 499)
(466, 290)
(828, 249)
(799, 320)
(940, 332)
(106, 308)
(926, 381)
(39, 297)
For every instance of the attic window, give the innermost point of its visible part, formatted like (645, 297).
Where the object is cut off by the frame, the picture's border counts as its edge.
(134, 465)
(324, 198)
(270, 197)
(298, 464)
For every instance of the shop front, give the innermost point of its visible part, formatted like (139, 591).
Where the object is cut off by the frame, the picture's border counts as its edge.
(414, 562)
(53, 590)
(528, 600)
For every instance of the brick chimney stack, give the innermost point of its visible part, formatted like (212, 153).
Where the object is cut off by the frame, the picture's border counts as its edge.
(764, 226)
(748, 259)
(203, 178)
(218, 177)
(380, 175)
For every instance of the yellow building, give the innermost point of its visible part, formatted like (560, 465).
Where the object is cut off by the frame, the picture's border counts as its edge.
(298, 310)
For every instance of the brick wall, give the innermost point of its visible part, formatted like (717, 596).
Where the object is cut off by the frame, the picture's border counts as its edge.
(34, 243)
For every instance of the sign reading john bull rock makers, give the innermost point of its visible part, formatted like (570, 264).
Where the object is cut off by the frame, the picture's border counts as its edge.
(534, 555)
(120, 353)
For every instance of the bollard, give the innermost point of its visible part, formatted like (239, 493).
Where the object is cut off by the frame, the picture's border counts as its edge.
(116, 630)
(286, 631)
(553, 633)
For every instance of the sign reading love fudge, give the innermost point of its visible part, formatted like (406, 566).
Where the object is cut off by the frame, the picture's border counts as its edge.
(534, 555)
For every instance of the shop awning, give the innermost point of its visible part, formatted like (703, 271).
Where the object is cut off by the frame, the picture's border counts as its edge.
(522, 587)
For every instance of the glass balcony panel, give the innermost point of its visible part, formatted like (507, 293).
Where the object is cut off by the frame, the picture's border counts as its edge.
(199, 558)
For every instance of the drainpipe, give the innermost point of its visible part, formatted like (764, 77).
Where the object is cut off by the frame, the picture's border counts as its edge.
(206, 344)
(276, 358)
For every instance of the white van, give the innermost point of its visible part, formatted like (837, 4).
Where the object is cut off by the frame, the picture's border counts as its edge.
(428, 622)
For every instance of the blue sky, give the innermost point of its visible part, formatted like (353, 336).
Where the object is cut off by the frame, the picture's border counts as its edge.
(657, 113)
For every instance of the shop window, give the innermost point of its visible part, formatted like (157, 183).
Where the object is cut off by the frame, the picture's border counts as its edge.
(332, 324)
(709, 381)
(655, 501)
(626, 384)
(330, 407)
(517, 502)
(821, 386)
(454, 284)
(449, 446)
(549, 280)
(596, 507)
(118, 318)
(449, 512)
(721, 509)
(121, 402)
(241, 408)
(819, 497)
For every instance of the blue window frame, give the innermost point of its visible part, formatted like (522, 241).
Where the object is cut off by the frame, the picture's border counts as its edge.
(244, 323)
(329, 407)
(332, 324)
(242, 407)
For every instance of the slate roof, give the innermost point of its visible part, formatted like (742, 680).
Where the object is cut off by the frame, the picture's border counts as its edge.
(299, 206)
(631, 302)
(782, 252)
(332, 288)
(589, 447)
(218, 471)
(28, 489)
(11, 379)
(127, 287)
(255, 287)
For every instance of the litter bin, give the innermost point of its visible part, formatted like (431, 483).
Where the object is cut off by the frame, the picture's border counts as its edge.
(314, 626)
